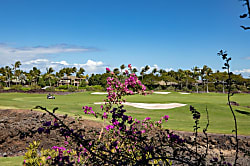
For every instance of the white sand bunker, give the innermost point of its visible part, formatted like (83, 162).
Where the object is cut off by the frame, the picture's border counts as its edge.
(152, 106)
(184, 93)
(99, 93)
(164, 93)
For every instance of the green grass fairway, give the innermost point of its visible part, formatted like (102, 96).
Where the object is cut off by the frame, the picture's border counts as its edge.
(221, 120)
(11, 161)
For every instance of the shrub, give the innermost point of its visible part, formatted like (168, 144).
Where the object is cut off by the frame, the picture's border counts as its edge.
(16, 87)
(35, 87)
(50, 89)
(94, 88)
(63, 87)
(242, 88)
(171, 88)
(211, 88)
(1, 86)
(72, 89)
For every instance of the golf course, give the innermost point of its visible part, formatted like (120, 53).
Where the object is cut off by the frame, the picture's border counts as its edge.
(220, 117)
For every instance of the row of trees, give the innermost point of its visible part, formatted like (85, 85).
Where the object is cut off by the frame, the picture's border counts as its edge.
(14, 75)
(196, 79)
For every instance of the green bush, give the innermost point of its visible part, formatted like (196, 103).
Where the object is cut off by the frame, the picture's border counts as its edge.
(16, 87)
(211, 88)
(194, 88)
(83, 83)
(72, 89)
(171, 88)
(50, 89)
(1, 86)
(63, 87)
(219, 88)
(186, 89)
(242, 88)
(94, 88)
(35, 87)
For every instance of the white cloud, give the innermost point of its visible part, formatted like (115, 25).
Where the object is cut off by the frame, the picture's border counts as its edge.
(242, 71)
(37, 61)
(247, 58)
(168, 69)
(9, 54)
(61, 63)
(90, 66)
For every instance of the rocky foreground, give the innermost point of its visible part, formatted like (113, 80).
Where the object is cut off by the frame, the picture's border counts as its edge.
(14, 121)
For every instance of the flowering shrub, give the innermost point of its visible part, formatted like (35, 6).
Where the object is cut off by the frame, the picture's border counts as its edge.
(124, 141)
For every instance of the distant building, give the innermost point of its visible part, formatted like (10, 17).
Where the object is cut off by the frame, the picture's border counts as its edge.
(70, 80)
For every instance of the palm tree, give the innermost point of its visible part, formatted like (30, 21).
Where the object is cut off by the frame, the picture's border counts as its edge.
(49, 74)
(196, 74)
(154, 71)
(142, 72)
(37, 74)
(80, 74)
(161, 71)
(180, 76)
(146, 68)
(187, 76)
(8, 73)
(116, 71)
(3, 74)
(34, 75)
(15, 67)
(134, 70)
(206, 71)
(122, 67)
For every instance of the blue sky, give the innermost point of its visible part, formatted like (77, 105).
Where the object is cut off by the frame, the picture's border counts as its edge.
(95, 34)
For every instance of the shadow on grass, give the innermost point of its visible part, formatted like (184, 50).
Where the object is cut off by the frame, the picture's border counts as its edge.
(243, 112)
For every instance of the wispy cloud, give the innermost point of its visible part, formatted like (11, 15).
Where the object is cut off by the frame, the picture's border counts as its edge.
(9, 54)
(247, 58)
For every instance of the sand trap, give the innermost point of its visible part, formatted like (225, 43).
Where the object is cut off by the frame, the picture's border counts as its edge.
(99, 93)
(152, 106)
(164, 93)
(184, 93)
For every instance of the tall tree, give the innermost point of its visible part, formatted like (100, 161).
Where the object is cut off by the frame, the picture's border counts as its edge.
(142, 72)
(122, 67)
(196, 74)
(116, 71)
(134, 70)
(8, 73)
(80, 74)
(154, 71)
(15, 67)
(49, 74)
(206, 72)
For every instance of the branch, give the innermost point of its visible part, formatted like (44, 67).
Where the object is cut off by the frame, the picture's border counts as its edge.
(245, 28)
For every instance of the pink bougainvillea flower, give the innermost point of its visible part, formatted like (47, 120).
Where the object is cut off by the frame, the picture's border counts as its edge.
(129, 66)
(107, 69)
(165, 117)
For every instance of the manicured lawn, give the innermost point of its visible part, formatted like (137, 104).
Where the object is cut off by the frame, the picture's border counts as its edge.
(221, 120)
(180, 118)
(11, 161)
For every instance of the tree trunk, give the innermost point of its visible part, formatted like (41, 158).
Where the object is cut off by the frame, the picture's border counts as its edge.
(49, 82)
(223, 87)
(207, 87)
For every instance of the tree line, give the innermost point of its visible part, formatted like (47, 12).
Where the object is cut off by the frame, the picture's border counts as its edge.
(196, 79)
